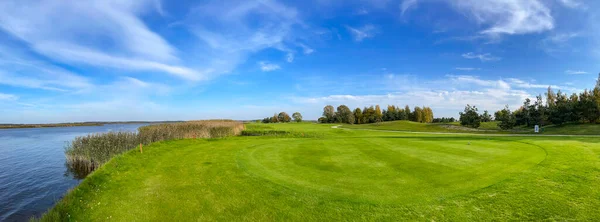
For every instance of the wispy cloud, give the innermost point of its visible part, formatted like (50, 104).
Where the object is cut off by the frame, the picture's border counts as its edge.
(572, 3)
(60, 34)
(575, 72)
(251, 26)
(483, 57)
(408, 4)
(361, 33)
(508, 17)
(268, 67)
(467, 68)
(4, 96)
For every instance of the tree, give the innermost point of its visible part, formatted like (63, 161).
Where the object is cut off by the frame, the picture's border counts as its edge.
(470, 117)
(358, 116)
(344, 115)
(418, 115)
(297, 117)
(329, 113)
(275, 118)
(407, 113)
(391, 113)
(378, 114)
(428, 115)
(562, 111)
(266, 120)
(283, 117)
(486, 117)
(506, 118)
(322, 120)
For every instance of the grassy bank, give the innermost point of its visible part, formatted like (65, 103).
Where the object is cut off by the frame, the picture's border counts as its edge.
(344, 175)
(87, 153)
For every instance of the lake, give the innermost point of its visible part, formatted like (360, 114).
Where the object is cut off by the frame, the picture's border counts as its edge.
(33, 173)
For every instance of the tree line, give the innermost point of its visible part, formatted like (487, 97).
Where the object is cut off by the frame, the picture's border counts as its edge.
(283, 117)
(374, 114)
(557, 109)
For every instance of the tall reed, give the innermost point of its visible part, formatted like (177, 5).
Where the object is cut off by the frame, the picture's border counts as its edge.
(86, 153)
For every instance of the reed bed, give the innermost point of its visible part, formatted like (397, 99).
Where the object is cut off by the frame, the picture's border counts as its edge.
(86, 153)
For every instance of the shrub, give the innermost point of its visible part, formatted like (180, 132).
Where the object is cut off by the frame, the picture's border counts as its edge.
(86, 153)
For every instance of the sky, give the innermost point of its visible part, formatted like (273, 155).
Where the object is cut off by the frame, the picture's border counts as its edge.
(120, 60)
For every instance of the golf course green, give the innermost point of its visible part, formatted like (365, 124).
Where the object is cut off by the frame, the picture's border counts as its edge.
(319, 172)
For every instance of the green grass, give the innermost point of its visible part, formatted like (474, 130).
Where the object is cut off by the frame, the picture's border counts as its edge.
(485, 128)
(316, 173)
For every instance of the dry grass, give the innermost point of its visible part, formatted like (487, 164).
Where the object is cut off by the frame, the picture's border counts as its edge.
(86, 153)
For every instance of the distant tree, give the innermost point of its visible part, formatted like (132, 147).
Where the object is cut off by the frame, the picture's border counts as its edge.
(275, 118)
(329, 113)
(407, 113)
(297, 117)
(344, 115)
(358, 116)
(391, 113)
(417, 114)
(470, 117)
(266, 120)
(506, 119)
(428, 115)
(378, 114)
(561, 112)
(486, 117)
(283, 117)
(322, 120)
(550, 98)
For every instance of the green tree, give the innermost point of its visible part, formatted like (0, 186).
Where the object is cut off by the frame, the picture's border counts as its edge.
(417, 114)
(470, 117)
(329, 113)
(283, 117)
(297, 117)
(408, 114)
(378, 114)
(506, 119)
(344, 115)
(358, 118)
(486, 117)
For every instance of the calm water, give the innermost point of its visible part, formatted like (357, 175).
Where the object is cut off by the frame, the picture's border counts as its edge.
(33, 174)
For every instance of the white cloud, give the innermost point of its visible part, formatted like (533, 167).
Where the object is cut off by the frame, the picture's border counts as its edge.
(558, 42)
(466, 68)
(268, 67)
(307, 50)
(289, 57)
(408, 4)
(229, 31)
(508, 16)
(20, 70)
(60, 30)
(4, 96)
(575, 72)
(82, 55)
(364, 32)
(465, 79)
(571, 3)
(528, 85)
(483, 57)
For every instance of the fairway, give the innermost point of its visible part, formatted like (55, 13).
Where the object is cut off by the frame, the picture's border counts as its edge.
(316, 173)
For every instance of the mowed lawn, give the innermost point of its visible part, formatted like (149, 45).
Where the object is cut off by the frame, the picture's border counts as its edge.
(318, 173)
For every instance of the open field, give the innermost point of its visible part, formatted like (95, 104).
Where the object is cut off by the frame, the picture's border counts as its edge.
(310, 172)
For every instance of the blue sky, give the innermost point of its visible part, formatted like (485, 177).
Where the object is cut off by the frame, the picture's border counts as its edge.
(64, 61)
